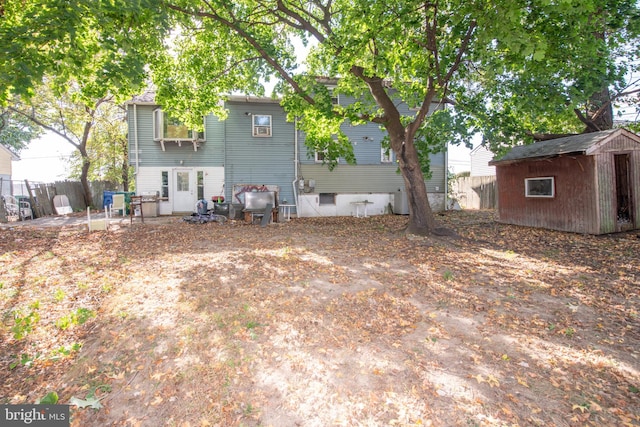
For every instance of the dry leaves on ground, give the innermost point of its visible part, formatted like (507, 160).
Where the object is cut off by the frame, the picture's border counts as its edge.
(318, 322)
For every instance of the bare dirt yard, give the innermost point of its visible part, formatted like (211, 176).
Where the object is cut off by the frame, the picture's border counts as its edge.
(323, 322)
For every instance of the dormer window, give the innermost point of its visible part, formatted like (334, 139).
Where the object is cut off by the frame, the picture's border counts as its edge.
(261, 125)
(171, 129)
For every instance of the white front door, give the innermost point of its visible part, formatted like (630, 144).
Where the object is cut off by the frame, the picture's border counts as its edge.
(184, 194)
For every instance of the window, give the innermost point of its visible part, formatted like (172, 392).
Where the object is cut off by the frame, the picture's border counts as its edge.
(170, 128)
(200, 179)
(335, 97)
(540, 187)
(182, 181)
(320, 156)
(261, 126)
(165, 185)
(386, 156)
(327, 199)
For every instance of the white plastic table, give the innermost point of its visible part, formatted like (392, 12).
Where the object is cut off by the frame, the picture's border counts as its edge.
(363, 205)
(286, 211)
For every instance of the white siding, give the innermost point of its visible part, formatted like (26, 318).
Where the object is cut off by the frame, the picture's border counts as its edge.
(480, 158)
(5, 162)
(149, 179)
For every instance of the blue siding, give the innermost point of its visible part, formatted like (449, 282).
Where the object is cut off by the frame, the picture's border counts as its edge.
(271, 160)
(259, 160)
(210, 152)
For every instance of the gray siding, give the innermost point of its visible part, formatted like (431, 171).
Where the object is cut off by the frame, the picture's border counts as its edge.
(365, 179)
(210, 152)
(271, 160)
(259, 160)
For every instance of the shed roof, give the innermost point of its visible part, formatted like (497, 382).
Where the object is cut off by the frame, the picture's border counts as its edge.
(585, 143)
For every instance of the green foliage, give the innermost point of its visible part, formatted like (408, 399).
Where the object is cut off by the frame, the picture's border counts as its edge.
(78, 317)
(24, 324)
(16, 131)
(24, 360)
(105, 46)
(507, 69)
(50, 399)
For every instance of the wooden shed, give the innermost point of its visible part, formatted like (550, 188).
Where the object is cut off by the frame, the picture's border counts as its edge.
(587, 183)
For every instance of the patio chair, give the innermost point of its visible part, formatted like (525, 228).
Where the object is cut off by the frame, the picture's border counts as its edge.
(119, 204)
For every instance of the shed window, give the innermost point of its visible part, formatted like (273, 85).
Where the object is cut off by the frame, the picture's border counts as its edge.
(540, 187)
(261, 126)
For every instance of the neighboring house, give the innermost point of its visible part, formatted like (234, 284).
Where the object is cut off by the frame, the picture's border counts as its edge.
(6, 156)
(480, 158)
(588, 183)
(255, 147)
(479, 189)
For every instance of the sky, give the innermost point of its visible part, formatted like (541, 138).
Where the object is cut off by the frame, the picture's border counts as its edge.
(44, 160)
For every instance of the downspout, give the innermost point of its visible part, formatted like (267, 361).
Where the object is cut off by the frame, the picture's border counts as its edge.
(446, 178)
(294, 184)
(135, 140)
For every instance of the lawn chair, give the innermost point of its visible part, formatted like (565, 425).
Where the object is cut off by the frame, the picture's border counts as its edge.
(61, 204)
(119, 204)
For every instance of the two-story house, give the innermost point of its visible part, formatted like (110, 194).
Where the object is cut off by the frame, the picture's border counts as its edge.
(254, 148)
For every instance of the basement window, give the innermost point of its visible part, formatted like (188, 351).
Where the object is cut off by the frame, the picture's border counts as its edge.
(540, 187)
(327, 198)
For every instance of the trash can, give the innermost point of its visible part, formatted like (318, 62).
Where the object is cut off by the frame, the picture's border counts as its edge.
(107, 198)
(221, 209)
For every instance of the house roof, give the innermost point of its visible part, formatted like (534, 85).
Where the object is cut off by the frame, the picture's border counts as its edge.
(149, 98)
(581, 144)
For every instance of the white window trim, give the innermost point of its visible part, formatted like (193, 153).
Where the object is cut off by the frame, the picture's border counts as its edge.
(318, 160)
(158, 132)
(545, 196)
(256, 129)
(383, 157)
(335, 97)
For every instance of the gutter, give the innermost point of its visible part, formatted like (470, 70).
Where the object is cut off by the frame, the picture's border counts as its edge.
(294, 184)
(446, 178)
(135, 139)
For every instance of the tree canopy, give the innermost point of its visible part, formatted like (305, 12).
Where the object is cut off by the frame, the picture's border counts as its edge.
(509, 69)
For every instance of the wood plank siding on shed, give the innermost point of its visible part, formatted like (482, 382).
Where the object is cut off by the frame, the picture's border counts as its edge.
(597, 183)
(574, 207)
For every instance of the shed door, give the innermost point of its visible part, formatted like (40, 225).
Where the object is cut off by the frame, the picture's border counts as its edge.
(623, 191)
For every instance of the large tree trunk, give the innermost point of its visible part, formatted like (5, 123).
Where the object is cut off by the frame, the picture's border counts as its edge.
(421, 219)
(88, 198)
(86, 163)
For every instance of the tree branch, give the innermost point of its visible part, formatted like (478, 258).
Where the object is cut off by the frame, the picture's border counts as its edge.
(45, 126)
(252, 41)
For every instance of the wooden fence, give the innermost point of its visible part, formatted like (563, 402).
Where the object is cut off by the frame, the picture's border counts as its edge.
(41, 195)
(475, 192)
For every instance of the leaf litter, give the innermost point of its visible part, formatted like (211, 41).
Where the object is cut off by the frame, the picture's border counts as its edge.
(319, 322)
